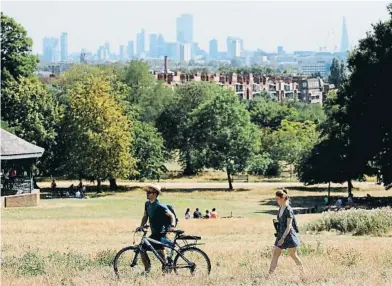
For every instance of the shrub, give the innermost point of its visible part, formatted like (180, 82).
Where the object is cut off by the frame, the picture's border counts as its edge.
(355, 221)
(105, 257)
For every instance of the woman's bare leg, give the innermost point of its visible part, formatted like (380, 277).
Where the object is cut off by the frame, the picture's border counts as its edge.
(294, 255)
(275, 256)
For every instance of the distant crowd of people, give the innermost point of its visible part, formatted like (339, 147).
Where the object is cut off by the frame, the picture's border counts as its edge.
(197, 214)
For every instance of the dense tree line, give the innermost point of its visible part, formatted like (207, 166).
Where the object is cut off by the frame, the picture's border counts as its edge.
(107, 122)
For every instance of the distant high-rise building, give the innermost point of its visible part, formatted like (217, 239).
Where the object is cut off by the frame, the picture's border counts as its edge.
(107, 51)
(195, 49)
(229, 44)
(130, 50)
(280, 50)
(51, 51)
(185, 29)
(64, 47)
(185, 52)
(344, 42)
(100, 53)
(140, 43)
(172, 51)
(122, 53)
(213, 49)
(153, 45)
(83, 57)
(234, 49)
(161, 49)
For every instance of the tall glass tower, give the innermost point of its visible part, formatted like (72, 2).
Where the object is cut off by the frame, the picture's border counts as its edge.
(185, 29)
(344, 41)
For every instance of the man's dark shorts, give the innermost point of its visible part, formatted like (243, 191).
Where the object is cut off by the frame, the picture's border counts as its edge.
(158, 237)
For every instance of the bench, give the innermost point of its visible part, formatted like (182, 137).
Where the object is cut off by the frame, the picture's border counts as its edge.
(240, 178)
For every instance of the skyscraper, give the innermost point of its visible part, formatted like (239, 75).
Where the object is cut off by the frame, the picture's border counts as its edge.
(344, 41)
(50, 49)
(64, 47)
(161, 49)
(130, 50)
(185, 52)
(122, 53)
(107, 51)
(173, 51)
(100, 53)
(235, 49)
(229, 44)
(140, 43)
(185, 29)
(153, 45)
(213, 49)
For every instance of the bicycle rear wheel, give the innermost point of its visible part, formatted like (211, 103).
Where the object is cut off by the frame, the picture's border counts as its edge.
(192, 261)
(128, 265)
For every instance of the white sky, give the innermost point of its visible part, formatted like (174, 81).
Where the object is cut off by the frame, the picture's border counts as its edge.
(295, 25)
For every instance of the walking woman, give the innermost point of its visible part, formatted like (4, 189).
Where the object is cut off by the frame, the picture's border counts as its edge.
(287, 237)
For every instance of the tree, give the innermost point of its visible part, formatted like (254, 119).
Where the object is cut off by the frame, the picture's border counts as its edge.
(221, 128)
(97, 132)
(359, 121)
(332, 159)
(148, 150)
(306, 112)
(30, 109)
(259, 164)
(366, 101)
(174, 123)
(291, 142)
(148, 95)
(336, 75)
(269, 114)
(16, 57)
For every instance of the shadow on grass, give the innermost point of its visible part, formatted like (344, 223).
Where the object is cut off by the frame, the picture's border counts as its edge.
(319, 204)
(91, 191)
(271, 212)
(203, 190)
(318, 189)
(300, 201)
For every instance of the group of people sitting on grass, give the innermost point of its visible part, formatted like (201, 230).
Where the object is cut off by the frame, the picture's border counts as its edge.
(78, 192)
(197, 214)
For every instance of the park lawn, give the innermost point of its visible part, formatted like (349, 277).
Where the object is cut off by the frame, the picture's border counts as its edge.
(72, 241)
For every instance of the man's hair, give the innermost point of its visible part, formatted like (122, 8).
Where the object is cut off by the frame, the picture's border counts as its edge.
(197, 209)
(213, 209)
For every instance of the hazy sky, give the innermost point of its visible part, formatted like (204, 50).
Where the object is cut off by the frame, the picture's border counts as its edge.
(305, 25)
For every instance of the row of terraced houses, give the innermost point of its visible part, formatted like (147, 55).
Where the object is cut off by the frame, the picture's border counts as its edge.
(311, 90)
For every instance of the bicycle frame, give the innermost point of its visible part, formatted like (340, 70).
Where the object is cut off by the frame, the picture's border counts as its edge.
(147, 241)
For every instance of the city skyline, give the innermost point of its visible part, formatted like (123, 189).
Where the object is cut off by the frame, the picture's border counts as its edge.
(257, 28)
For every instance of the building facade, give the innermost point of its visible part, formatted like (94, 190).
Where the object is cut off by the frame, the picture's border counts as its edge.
(64, 47)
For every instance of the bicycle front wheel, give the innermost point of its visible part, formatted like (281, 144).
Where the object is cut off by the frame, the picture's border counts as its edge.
(128, 263)
(192, 261)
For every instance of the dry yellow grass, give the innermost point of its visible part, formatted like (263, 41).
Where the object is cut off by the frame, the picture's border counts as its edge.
(239, 248)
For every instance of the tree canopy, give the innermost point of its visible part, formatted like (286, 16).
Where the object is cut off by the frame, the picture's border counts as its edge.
(221, 128)
(16, 57)
(97, 132)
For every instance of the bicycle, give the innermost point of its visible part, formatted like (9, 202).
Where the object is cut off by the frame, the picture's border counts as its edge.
(128, 266)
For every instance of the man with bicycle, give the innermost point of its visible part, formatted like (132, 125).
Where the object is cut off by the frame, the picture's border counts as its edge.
(157, 214)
